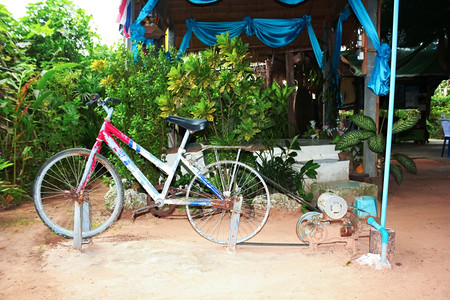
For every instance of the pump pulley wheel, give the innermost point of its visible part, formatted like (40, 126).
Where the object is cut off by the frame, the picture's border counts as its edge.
(308, 224)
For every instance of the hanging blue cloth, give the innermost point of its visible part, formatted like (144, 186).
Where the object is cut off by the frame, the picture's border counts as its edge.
(379, 80)
(137, 30)
(274, 33)
(380, 84)
(337, 54)
(203, 1)
(338, 39)
(290, 2)
(314, 42)
(206, 32)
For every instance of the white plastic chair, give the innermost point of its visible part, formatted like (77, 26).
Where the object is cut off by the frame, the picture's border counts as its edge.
(446, 127)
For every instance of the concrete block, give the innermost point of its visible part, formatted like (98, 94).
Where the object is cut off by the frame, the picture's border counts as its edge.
(348, 189)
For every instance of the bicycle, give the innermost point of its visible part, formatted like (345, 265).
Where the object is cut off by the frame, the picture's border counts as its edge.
(216, 195)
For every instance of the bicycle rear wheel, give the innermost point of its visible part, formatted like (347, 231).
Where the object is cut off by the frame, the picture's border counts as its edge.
(235, 180)
(54, 193)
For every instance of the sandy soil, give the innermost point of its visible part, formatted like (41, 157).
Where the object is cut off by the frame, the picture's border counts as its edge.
(166, 259)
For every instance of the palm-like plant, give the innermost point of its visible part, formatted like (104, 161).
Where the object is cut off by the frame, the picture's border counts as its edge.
(377, 142)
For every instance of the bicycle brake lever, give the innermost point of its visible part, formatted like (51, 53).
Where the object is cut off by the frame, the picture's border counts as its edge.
(94, 98)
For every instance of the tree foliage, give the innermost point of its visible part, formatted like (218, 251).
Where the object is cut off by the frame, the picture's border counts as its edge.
(56, 32)
(41, 111)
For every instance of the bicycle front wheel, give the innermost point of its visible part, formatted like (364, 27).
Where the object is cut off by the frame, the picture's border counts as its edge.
(236, 181)
(55, 187)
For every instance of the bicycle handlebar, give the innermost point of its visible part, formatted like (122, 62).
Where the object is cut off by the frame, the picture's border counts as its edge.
(96, 98)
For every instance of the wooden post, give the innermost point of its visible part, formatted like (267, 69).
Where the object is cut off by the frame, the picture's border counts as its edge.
(370, 99)
(290, 81)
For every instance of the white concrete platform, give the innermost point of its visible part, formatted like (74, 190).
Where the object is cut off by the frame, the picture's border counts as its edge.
(320, 151)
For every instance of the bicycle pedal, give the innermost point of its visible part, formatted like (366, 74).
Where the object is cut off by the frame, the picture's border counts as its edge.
(142, 209)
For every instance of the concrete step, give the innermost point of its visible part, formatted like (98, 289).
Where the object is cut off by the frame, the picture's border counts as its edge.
(330, 170)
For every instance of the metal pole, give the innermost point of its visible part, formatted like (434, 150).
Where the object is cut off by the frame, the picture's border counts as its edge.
(387, 164)
(77, 226)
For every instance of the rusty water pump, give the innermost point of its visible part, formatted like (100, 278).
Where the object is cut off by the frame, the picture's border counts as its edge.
(335, 223)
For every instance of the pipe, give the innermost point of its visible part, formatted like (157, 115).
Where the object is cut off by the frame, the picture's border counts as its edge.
(387, 162)
(384, 237)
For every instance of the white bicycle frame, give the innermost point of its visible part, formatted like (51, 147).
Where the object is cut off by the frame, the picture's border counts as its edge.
(106, 134)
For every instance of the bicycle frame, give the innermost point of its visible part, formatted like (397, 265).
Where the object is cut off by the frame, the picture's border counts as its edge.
(107, 133)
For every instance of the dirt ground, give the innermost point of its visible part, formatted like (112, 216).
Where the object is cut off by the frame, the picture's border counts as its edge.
(166, 259)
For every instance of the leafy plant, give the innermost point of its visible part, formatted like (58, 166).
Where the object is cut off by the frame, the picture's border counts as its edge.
(137, 82)
(38, 115)
(377, 142)
(280, 168)
(219, 85)
(10, 194)
(24, 123)
(439, 108)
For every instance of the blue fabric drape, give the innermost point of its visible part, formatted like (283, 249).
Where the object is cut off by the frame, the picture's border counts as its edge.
(338, 39)
(314, 42)
(337, 53)
(203, 1)
(137, 30)
(274, 33)
(379, 80)
(290, 2)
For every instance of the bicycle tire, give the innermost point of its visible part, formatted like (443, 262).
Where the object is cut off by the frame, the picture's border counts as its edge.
(60, 176)
(234, 179)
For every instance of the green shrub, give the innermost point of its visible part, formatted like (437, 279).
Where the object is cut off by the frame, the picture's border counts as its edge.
(218, 84)
(138, 83)
(440, 108)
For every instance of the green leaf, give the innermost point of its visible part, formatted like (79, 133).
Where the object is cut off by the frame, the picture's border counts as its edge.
(406, 162)
(352, 138)
(407, 123)
(364, 122)
(47, 75)
(396, 172)
(377, 143)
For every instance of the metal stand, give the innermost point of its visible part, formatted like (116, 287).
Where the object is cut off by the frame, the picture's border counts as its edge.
(234, 225)
(82, 222)
(77, 226)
